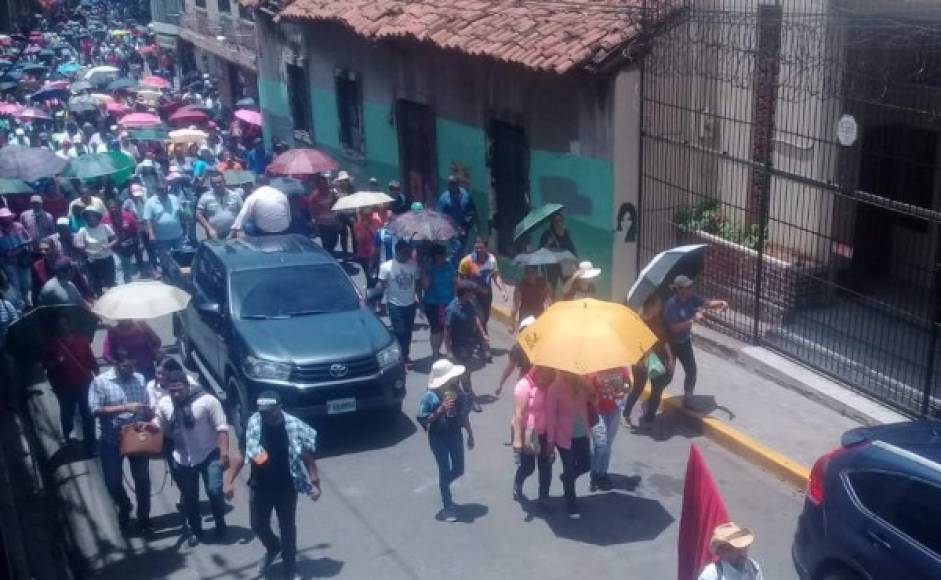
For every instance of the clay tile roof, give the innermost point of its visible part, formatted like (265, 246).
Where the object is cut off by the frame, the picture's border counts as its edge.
(550, 35)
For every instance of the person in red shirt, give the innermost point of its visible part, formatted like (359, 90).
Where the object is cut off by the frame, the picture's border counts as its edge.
(137, 338)
(364, 230)
(610, 388)
(70, 368)
(125, 228)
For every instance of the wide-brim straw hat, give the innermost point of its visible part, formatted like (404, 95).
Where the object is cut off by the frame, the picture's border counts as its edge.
(730, 534)
(443, 372)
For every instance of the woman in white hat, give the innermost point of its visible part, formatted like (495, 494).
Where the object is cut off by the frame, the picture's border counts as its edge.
(580, 285)
(97, 241)
(443, 411)
(730, 544)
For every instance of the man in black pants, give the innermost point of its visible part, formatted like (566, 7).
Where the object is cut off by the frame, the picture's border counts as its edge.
(679, 313)
(280, 449)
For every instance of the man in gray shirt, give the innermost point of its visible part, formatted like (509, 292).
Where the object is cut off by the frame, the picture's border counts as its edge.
(60, 290)
(217, 208)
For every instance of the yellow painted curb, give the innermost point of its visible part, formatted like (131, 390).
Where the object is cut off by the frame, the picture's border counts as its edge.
(738, 443)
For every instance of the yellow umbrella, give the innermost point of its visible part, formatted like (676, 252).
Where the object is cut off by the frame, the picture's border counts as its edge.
(188, 136)
(587, 336)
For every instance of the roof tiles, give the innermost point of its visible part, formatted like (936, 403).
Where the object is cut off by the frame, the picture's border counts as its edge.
(551, 35)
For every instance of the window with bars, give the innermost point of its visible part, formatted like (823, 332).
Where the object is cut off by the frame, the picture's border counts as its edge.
(349, 90)
(299, 100)
(224, 6)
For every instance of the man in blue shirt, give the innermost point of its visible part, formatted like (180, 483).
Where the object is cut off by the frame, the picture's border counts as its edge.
(457, 204)
(463, 332)
(163, 215)
(680, 312)
(257, 159)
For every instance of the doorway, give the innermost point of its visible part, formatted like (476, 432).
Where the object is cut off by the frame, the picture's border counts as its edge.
(508, 158)
(417, 150)
(898, 164)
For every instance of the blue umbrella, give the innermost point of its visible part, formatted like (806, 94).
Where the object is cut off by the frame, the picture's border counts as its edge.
(69, 68)
(47, 94)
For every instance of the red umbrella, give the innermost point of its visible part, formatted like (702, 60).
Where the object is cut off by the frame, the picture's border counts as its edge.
(140, 121)
(11, 109)
(186, 115)
(249, 116)
(147, 49)
(55, 85)
(117, 109)
(33, 113)
(302, 162)
(703, 510)
(155, 81)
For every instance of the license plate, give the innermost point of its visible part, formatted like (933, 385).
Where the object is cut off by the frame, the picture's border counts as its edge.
(338, 406)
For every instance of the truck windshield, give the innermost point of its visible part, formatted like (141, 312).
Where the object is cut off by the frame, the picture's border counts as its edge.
(292, 291)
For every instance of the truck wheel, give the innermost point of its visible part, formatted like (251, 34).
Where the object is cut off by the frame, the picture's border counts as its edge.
(237, 412)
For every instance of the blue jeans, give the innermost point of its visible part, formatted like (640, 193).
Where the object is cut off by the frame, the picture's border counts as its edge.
(602, 438)
(112, 466)
(448, 449)
(187, 477)
(403, 321)
(163, 249)
(20, 278)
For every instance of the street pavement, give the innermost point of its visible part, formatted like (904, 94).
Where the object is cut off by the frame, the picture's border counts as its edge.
(377, 516)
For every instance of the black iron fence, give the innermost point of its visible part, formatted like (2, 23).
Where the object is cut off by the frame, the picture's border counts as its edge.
(799, 140)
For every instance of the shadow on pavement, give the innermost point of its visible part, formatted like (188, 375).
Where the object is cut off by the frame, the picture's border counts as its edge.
(157, 564)
(607, 519)
(336, 438)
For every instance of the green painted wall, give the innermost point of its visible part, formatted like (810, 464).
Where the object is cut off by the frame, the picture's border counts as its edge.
(585, 186)
(326, 119)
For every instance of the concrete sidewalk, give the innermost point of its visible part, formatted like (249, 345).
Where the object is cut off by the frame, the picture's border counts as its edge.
(760, 405)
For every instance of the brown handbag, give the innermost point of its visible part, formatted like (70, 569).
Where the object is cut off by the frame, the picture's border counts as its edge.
(138, 441)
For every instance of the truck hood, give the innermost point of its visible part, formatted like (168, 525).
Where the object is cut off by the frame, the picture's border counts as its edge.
(315, 338)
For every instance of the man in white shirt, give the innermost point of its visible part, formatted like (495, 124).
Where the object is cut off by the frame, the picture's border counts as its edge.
(397, 278)
(730, 543)
(267, 211)
(196, 422)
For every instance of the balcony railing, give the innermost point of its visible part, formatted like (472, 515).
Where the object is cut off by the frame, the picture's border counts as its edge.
(234, 29)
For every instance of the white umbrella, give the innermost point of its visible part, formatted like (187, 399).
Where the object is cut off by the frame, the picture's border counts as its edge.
(545, 257)
(188, 136)
(361, 199)
(141, 301)
(99, 73)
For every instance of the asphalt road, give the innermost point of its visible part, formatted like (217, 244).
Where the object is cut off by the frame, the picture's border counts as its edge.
(377, 516)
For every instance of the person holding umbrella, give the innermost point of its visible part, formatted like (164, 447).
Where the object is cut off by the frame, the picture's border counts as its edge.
(528, 429)
(567, 429)
(443, 411)
(657, 365)
(680, 312)
(457, 204)
(438, 281)
(556, 237)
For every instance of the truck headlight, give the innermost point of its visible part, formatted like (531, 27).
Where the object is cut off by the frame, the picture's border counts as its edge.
(389, 356)
(265, 370)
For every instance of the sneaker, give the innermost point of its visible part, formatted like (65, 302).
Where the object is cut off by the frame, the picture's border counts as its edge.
(574, 514)
(604, 483)
(192, 540)
(450, 515)
(475, 406)
(266, 561)
(593, 482)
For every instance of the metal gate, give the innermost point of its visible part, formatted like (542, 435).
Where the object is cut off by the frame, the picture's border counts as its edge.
(799, 139)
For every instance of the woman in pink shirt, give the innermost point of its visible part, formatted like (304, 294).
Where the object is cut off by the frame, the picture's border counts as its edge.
(529, 431)
(567, 428)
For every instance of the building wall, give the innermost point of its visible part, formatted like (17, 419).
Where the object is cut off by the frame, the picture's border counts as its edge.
(567, 119)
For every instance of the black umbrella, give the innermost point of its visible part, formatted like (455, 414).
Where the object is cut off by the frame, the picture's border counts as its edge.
(119, 84)
(34, 68)
(659, 273)
(26, 336)
(29, 163)
(288, 185)
(6, 86)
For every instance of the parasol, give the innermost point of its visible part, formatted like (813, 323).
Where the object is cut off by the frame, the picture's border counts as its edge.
(302, 162)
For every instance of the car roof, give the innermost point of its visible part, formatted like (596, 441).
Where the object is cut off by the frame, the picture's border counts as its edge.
(268, 251)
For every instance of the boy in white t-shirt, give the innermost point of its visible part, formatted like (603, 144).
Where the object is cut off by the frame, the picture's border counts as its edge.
(398, 279)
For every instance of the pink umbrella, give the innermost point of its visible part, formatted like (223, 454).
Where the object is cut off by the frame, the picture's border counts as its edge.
(117, 109)
(186, 115)
(302, 162)
(11, 109)
(155, 81)
(249, 116)
(33, 113)
(55, 85)
(139, 121)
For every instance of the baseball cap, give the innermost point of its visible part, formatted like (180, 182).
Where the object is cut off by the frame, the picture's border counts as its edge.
(35, 199)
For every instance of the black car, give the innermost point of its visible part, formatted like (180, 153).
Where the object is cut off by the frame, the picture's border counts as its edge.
(873, 507)
(279, 313)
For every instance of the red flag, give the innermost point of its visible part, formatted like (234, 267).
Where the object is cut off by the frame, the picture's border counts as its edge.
(703, 510)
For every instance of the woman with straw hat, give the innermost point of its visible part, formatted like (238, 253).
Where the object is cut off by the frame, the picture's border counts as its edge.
(730, 544)
(580, 285)
(443, 411)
